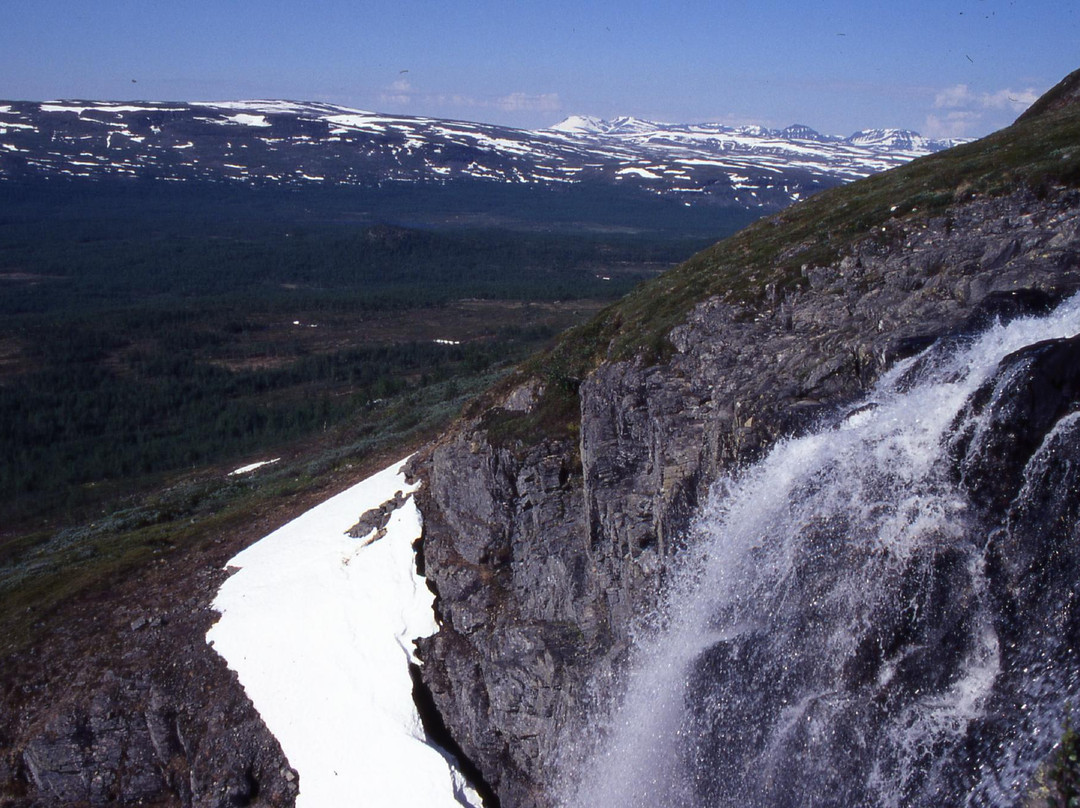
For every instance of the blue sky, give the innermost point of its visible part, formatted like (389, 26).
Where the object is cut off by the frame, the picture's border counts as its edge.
(944, 68)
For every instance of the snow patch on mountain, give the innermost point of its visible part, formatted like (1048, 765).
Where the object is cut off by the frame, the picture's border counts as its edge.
(903, 139)
(898, 139)
(247, 119)
(262, 142)
(581, 125)
(319, 627)
(638, 172)
(278, 107)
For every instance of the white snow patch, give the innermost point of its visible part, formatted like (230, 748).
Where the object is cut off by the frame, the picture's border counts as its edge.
(358, 121)
(246, 119)
(131, 108)
(641, 172)
(581, 125)
(319, 627)
(251, 467)
(64, 108)
(278, 106)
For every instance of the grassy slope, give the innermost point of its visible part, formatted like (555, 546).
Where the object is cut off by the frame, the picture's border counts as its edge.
(1040, 152)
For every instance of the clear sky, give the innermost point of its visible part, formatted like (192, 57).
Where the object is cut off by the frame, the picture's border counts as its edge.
(941, 67)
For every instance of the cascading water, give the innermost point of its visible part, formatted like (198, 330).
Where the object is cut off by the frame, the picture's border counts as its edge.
(870, 616)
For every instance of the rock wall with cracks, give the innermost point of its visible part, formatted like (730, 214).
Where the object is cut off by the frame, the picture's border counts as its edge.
(545, 553)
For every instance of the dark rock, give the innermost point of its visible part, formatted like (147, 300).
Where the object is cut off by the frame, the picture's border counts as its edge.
(1006, 306)
(376, 519)
(122, 710)
(545, 556)
(1031, 391)
(499, 529)
(1036, 548)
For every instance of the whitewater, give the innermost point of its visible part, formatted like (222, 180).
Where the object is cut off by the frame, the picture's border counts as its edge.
(830, 639)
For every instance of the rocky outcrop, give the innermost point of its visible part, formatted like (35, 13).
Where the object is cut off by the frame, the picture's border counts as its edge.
(514, 604)
(376, 519)
(136, 742)
(544, 553)
(122, 702)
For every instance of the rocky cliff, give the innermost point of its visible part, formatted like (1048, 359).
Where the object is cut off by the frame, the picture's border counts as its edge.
(553, 509)
(122, 702)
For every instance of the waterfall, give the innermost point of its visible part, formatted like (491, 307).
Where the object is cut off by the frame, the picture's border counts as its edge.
(861, 619)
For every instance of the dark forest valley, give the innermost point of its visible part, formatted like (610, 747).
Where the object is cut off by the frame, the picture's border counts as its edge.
(155, 337)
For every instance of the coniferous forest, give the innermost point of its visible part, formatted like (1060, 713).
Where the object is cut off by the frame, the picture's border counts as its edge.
(151, 329)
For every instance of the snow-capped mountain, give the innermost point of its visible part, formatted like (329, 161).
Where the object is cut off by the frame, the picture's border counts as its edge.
(895, 139)
(300, 144)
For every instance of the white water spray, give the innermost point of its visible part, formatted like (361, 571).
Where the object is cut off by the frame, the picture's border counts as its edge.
(828, 638)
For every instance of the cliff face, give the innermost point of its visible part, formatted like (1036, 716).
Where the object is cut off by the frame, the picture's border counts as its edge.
(125, 703)
(545, 544)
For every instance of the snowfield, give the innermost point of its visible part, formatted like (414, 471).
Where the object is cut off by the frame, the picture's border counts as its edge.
(319, 627)
(253, 466)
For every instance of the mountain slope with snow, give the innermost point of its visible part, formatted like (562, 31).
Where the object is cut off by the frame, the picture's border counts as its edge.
(558, 512)
(310, 144)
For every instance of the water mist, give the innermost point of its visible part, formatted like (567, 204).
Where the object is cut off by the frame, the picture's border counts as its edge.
(844, 629)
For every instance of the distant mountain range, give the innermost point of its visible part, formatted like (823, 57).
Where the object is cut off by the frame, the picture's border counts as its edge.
(304, 144)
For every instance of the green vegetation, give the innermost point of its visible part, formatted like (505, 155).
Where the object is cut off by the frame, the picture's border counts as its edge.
(154, 336)
(161, 398)
(1057, 783)
(1063, 774)
(769, 257)
(72, 254)
(147, 328)
(49, 571)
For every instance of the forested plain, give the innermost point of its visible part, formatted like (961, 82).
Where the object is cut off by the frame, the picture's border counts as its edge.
(149, 329)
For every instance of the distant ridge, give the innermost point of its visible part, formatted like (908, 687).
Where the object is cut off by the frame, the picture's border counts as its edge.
(890, 139)
(309, 144)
